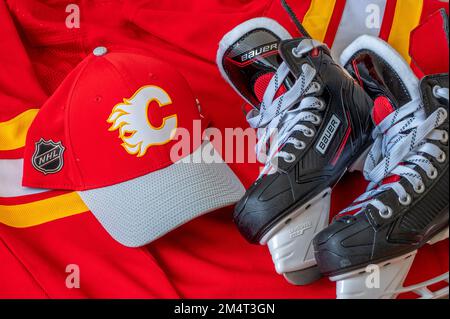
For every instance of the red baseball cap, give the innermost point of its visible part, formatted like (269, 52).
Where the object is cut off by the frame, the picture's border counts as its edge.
(109, 131)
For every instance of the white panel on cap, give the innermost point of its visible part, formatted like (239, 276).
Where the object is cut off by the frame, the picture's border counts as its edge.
(140, 210)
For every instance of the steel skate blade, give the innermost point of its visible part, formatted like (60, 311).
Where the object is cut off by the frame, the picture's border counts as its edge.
(303, 277)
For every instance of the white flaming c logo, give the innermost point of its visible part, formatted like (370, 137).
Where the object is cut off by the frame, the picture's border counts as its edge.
(135, 129)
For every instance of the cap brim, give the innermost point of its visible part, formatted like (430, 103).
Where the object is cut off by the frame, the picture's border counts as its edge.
(138, 211)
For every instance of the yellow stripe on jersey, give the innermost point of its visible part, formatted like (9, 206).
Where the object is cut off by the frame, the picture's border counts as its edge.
(406, 18)
(14, 132)
(318, 17)
(42, 211)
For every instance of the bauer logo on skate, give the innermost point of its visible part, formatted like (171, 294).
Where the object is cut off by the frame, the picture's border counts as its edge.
(328, 134)
(299, 230)
(261, 51)
(135, 127)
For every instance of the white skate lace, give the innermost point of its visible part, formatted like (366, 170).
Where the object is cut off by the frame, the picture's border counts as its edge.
(401, 141)
(277, 119)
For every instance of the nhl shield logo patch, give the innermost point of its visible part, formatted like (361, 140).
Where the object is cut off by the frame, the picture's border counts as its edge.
(48, 156)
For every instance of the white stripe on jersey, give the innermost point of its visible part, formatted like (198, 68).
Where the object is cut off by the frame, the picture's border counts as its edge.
(11, 179)
(359, 17)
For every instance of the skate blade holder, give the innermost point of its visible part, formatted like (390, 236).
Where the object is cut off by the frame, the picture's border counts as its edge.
(388, 282)
(290, 240)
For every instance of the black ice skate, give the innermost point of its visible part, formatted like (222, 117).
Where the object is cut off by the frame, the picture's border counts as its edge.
(370, 247)
(315, 121)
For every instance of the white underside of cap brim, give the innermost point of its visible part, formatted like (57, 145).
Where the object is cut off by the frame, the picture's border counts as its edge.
(234, 35)
(141, 210)
(387, 53)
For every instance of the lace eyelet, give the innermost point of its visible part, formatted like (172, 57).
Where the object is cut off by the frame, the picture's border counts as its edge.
(316, 86)
(309, 133)
(349, 220)
(322, 105)
(435, 91)
(420, 188)
(290, 158)
(444, 113)
(405, 201)
(317, 120)
(433, 174)
(386, 213)
(444, 138)
(300, 145)
(296, 53)
(442, 157)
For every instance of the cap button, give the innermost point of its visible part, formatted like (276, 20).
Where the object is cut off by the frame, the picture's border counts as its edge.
(99, 51)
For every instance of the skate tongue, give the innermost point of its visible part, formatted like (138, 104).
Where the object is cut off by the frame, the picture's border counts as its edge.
(382, 107)
(250, 58)
(253, 64)
(262, 80)
(260, 85)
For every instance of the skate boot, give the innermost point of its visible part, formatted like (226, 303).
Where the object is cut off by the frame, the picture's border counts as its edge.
(313, 121)
(369, 247)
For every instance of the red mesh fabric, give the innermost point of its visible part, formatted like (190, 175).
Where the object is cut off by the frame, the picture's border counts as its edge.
(261, 84)
(382, 107)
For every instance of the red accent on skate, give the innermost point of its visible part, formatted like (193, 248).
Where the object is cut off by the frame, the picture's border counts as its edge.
(391, 179)
(355, 68)
(260, 86)
(344, 141)
(382, 107)
(315, 52)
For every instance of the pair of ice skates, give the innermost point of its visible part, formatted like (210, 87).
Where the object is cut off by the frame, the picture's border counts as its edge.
(317, 119)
